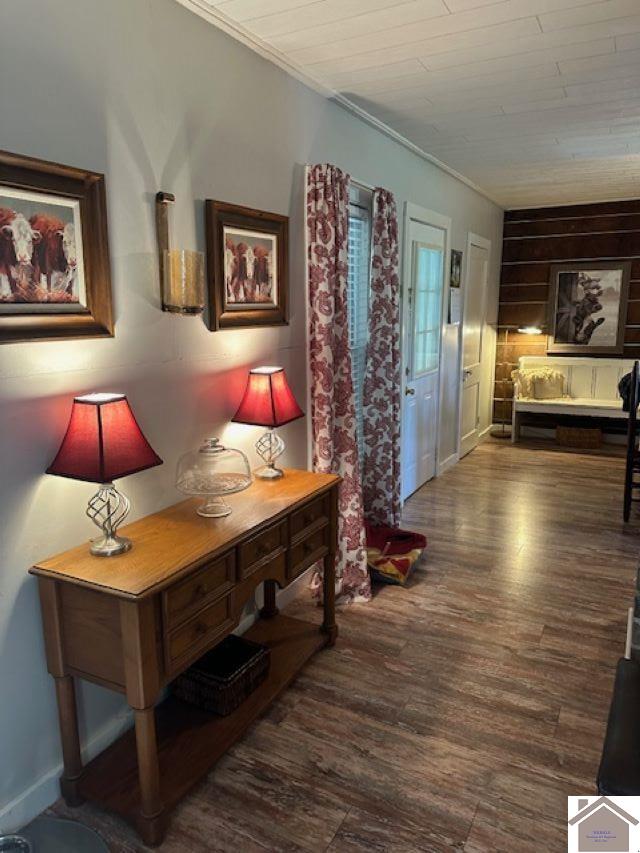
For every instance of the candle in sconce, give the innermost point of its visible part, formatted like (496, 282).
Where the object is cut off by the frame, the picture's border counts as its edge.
(183, 281)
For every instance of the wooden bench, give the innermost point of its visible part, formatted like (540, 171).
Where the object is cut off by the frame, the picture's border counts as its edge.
(591, 389)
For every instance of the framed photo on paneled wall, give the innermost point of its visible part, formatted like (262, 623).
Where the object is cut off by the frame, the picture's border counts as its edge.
(588, 307)
(55, 279)
(247, 266)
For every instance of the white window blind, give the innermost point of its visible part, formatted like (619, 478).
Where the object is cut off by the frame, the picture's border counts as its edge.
(358, 288)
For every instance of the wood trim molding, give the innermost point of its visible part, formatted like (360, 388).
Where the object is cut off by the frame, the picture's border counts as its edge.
(239, 33)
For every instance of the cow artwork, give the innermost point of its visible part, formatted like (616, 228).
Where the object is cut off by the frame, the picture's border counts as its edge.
(41, 267)
(250, 270)
(248, 266)
(588, 308)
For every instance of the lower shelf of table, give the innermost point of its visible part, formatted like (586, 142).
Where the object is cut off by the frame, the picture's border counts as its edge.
(190, 741)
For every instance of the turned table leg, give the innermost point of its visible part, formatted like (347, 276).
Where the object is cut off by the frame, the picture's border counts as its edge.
(142, 678)
(269, 609)
(329, 626)
(150, 821)
(68, 716)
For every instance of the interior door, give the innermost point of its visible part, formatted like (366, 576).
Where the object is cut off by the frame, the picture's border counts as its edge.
(472, 334)
(424, 271)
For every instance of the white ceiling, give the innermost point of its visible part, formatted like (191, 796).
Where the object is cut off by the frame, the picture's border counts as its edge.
(535, 101)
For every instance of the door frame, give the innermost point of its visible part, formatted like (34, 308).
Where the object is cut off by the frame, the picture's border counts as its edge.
(473, 239)
(417, 213)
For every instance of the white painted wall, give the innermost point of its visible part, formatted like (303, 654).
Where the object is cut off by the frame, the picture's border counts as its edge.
(150, 94)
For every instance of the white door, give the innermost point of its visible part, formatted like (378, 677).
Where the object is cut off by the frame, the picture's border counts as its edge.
(424, 271)
(472, 333)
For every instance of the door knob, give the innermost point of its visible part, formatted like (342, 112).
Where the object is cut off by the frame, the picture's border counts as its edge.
(409, 391)
(466, 373)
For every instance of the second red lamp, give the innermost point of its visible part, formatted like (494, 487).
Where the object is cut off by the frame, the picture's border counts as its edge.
(268, 401)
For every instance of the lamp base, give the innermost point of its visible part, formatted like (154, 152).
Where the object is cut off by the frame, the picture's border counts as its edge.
(269, 447)
(108, 508)
(269, 472)
(214, 508)
(109, 546)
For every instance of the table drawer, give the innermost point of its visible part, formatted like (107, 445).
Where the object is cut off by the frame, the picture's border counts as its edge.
(262, 548)
(313, 515)
(205, 584)
(191, 639)
(306, 552)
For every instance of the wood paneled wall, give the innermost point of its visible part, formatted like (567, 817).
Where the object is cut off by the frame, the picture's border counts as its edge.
(535, 239)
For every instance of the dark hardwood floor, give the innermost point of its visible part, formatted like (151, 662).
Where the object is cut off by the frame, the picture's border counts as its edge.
(457, 714)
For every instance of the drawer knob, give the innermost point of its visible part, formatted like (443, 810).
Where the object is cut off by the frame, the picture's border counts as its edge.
(308, 547)
(308, 518)
(263, 550)
(200, 629)
(199, 591)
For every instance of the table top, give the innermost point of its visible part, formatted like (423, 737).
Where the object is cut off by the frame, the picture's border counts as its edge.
(168, 543)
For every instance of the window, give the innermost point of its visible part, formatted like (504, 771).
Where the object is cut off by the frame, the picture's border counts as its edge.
(427, 292)
(358, 286)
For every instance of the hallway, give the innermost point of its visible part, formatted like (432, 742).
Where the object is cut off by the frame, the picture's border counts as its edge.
(457, 714)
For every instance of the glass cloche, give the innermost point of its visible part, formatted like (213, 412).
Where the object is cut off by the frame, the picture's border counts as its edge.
(213, 471)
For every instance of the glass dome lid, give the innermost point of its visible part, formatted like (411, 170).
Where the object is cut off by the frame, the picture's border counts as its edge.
(213, 471)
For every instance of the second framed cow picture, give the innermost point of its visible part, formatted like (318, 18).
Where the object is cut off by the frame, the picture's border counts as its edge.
(247, 259)
(54, 258)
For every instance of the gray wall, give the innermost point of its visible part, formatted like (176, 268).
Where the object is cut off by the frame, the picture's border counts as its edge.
(149, 94)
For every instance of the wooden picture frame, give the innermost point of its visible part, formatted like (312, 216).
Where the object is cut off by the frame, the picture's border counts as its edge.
(588, 307)
(247, 266)
(455, 278)
(29, 309)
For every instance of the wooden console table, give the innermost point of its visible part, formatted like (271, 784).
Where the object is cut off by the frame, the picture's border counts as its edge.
(132, 623)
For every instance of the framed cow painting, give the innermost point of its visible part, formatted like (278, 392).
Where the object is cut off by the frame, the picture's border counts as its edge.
(54, 261)
(588, 307)
(247, 260)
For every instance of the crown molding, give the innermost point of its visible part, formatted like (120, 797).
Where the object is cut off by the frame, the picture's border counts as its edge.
(241, 34)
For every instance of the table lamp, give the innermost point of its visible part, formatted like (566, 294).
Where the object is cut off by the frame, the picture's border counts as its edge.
(268, 401)
(104, 442)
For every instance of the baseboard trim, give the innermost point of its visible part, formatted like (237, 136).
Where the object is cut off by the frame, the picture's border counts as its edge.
(449, 462)
(46, 790)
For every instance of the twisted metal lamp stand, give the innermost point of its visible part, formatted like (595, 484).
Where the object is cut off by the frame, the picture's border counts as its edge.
(269, 447)
(108, 508)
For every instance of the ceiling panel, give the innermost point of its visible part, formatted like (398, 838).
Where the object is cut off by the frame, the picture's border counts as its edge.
(242, 10)
(535, 101)
(359, 27)
(317, 14)
(607, 10)
(505, 32)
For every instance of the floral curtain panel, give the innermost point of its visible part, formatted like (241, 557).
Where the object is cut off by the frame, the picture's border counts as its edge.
(381, 408)
(335, 448)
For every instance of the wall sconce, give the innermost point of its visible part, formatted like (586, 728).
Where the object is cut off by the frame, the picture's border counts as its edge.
(181, 271)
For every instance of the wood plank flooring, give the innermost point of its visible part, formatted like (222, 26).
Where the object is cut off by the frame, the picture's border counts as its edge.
(457, 714)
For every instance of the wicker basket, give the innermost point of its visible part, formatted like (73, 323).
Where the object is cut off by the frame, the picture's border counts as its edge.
(223, 678)
(587, 439)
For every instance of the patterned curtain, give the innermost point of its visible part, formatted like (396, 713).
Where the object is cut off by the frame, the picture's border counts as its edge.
(381, 409)
(335, 447)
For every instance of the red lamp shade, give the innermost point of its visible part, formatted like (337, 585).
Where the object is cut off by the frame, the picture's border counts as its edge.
(103, 441)
(268, 401)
